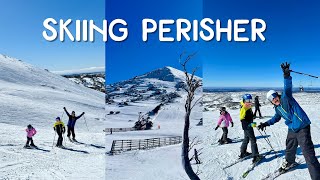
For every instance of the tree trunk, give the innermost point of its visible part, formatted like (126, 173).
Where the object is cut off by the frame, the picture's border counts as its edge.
(185, 145)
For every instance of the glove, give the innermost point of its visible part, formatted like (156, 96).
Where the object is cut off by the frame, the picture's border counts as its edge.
(64, 108)
(216, 128)
(286, 69)
(231, 124)
(262, 126)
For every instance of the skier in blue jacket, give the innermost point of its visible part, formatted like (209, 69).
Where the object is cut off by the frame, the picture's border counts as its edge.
(71, 123)
(298, 123)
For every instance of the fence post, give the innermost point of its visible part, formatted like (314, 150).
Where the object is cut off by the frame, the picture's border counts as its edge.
(139, 144)
(112, 147)
(159, 142)
(121, 145)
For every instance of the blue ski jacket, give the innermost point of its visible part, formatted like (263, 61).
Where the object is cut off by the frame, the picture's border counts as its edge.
(289, 109)
(72, 120)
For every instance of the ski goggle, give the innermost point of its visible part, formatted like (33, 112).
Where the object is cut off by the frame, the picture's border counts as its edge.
(274, 95)
(248, 100)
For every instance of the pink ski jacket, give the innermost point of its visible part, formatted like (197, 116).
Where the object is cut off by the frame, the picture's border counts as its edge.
(224, 120)
(31, 132)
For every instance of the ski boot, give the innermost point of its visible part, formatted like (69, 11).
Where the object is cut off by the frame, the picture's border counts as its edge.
(27, 146)
(256, 158)
(70, 139)
(286, 166)
(74, 140)
(243, 155)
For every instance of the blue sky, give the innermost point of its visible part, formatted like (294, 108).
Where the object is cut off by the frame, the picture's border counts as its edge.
(21, 33)
(134, 57)
(292, 34)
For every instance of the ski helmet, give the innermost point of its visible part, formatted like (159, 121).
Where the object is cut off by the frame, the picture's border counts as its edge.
(58, 118)
(29, 126)
(247, 98)
(271, 95)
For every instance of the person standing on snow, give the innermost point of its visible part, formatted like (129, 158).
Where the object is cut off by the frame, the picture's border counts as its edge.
(60, 129)
(30, 133)
(257, 106)
(223, 122)
(71, 123)
(298, 123)
(246, 117)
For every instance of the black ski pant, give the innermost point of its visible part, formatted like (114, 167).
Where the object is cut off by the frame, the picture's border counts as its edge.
(303, 139)
(249, 136)
(71, 131)
(60, 139)
(224, 137)
(197, 160)
(29, 139)
(255, 112)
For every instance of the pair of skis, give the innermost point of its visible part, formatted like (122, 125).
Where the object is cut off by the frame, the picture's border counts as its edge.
(269, 176)
(278, 173)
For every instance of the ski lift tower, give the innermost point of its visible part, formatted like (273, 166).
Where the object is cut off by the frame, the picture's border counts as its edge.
(301, 87)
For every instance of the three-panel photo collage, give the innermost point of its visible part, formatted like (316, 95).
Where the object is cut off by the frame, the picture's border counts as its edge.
(159, 90)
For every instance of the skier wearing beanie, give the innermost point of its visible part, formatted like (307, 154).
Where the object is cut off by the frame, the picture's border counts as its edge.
(60, 129)
(298, 123)
(223, 122)
(246, 117)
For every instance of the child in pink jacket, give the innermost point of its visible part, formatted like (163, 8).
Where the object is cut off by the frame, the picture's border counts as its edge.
(30, 133)
(223, 122)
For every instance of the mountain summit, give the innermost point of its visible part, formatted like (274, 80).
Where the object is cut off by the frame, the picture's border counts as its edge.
(166, 73)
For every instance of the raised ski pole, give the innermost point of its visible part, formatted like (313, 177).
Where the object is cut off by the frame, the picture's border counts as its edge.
(304, 74)
(65, 142)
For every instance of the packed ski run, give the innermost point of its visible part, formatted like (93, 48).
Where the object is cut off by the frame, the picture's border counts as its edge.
(36, 97)
(218, 157)
(143, 94)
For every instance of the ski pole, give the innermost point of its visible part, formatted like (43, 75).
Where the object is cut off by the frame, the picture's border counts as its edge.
(84, 117)
(268, 141)
(65, 143)
(54, 139)
(304, 74)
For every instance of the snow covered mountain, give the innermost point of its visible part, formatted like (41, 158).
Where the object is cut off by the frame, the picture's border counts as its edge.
(30, 95)
(162, 84)
(142, 94)
(93, 77)
(94, 81)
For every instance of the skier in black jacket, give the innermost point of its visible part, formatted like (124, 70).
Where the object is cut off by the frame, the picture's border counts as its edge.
(72, 122)
(257, 106)
(60, 129)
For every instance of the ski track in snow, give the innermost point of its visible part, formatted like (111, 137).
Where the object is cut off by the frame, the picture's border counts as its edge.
(218, 156)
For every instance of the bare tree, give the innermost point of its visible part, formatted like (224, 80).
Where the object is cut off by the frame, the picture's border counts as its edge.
(192, 84)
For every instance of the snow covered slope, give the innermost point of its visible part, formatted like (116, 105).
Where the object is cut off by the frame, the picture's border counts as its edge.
(29, 95)
(216, 157)
(142, 94)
